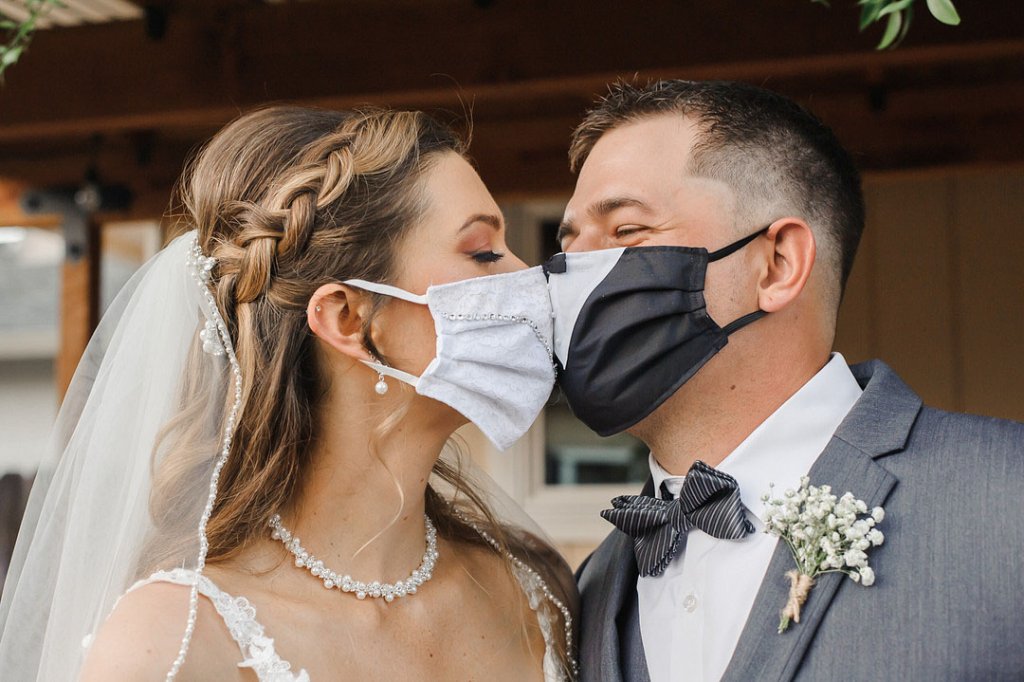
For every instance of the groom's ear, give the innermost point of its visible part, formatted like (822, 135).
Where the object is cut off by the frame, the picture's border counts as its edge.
(789, 264)
(336, 315)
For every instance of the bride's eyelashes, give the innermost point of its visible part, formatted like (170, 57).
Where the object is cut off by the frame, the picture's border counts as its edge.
(487, 256)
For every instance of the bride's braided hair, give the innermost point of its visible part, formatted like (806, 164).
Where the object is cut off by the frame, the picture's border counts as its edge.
(286, 200)
(329, 205)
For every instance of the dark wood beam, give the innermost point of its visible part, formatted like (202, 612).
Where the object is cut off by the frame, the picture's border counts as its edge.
(134, 107)
(212, 63)
(522, 149)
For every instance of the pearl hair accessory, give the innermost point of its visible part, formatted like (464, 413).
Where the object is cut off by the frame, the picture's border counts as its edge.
(202, 271)
(217, 338)
(345, 583)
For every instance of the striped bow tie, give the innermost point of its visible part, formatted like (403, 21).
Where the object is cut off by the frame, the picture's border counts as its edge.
(709, 500)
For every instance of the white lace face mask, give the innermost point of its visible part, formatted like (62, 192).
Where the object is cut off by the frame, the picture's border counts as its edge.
(493, 362)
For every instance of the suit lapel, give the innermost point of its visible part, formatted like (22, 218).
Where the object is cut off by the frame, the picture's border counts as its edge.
(878, 424)
(761, 652)
(617, 650)
(623, 656)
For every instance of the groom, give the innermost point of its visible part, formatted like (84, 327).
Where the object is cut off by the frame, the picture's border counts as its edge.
(767, 189)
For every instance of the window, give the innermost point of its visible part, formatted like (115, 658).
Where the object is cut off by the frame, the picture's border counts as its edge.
(30, 288)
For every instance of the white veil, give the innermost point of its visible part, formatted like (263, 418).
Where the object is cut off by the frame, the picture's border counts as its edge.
(130, 475)
(92, 526)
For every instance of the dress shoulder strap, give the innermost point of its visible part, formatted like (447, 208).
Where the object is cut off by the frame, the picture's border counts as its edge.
(239, 615)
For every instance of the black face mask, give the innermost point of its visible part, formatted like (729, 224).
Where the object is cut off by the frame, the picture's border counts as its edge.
(631, 327)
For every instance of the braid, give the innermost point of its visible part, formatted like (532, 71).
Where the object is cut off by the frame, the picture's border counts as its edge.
(280, 229)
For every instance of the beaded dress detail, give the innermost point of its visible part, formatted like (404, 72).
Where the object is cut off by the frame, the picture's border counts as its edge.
(240, 617)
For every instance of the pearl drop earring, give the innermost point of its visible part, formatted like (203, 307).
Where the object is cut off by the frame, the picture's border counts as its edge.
(381, 386)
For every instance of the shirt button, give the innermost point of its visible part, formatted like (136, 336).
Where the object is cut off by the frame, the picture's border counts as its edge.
(690, 603)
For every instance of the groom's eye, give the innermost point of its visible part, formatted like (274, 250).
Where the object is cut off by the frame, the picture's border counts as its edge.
(628, 230)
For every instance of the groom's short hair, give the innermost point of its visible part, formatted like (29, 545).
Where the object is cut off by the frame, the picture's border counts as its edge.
(773, 153)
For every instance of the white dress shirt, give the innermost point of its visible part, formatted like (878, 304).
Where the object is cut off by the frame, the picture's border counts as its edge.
(692, 615)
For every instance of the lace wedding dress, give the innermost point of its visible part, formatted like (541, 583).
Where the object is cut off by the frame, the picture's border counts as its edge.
(257, 647)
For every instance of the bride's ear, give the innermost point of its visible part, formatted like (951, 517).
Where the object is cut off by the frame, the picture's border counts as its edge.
(335, 315)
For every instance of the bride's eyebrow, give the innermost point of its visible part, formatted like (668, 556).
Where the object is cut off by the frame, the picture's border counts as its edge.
(486, 218)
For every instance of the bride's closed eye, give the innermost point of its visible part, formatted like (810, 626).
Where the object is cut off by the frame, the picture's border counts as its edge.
(487, 256)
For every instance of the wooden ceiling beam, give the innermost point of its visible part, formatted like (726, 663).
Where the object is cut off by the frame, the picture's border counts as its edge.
(948, 96)
(527, 155)
(213, 63)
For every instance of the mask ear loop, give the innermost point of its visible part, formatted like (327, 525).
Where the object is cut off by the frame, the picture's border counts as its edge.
(743, 321)
(384, 370)
(387, 290)
(736, 245)
(376, 364)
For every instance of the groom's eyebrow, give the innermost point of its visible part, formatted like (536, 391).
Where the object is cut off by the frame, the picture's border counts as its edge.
(612, 204)
(601, 209)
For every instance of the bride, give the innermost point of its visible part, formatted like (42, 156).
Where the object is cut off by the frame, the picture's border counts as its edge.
(252, 475)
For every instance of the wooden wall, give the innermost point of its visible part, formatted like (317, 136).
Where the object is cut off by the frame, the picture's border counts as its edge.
(938, 287)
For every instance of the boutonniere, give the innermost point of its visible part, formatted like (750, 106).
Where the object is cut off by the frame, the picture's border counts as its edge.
(825, 534)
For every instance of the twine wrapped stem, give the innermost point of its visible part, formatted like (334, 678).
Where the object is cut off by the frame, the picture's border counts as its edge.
(800, 585)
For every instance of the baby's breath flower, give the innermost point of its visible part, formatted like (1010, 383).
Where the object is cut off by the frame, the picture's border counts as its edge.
(867, 577)
(825, 533)
(855, 558)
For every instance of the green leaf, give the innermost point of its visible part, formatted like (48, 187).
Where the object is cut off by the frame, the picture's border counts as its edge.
(898, 6)
(869, 15)
(892, 30)
(944, 11)
(8, 25)
(908, 16)
(10, 56)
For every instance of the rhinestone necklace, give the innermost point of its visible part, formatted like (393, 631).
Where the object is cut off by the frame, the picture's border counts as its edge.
(345, 583)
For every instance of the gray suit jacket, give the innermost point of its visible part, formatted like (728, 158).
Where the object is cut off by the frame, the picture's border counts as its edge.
(948, 602)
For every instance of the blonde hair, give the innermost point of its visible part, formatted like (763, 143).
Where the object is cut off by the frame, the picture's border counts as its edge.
(287, 199)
